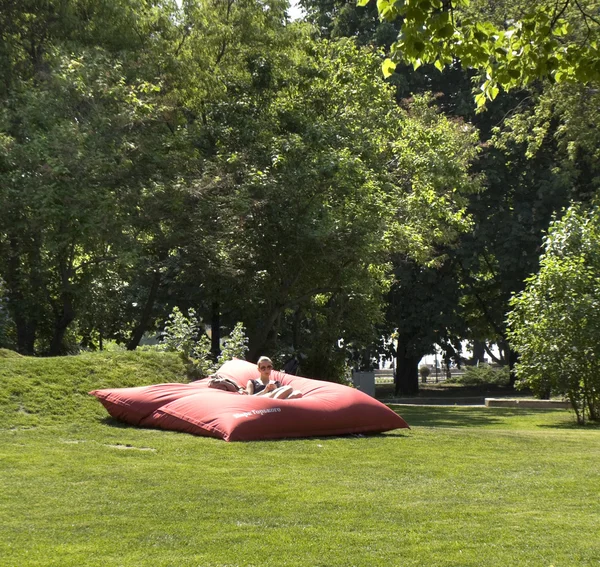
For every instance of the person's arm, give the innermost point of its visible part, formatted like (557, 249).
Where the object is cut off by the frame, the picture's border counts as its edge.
(267, 389)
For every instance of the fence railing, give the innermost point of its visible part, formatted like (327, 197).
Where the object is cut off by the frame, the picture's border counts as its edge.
(386, 375)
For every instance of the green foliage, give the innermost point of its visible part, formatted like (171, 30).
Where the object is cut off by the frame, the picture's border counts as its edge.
(544, 154)
(182, 334)
(424, 372)
(327, 189)
(565, 116)
(326, 364)
(234, 346)
(554, 324)
(209, 155)
(528, 43)
(482, 375)
(69, 172)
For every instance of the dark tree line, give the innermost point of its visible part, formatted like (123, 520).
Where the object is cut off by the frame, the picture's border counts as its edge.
(216, 156)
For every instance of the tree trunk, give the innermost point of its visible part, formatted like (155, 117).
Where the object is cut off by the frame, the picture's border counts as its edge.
(215, 325)
(64, 314)
(497, 360)
(406, 378)
(26, 331)
(61, 324)
(478, 353)
(259, 339)
(141, 327)
(19, 308)
(513, 357)
(296, 329)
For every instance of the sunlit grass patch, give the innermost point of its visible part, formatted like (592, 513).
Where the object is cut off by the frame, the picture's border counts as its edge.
(463, 487)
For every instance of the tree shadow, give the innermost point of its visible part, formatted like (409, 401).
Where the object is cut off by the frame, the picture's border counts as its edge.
(587, 426)
(385, 392)
(458, 416)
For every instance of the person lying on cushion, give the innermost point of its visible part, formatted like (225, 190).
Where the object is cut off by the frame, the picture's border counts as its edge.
(264, 386)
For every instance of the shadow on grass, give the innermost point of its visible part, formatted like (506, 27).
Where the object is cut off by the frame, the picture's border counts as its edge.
(439, 416)
(112, 422)
(457, 416)
(587, 426)
(442, 416)
(464, 416)
(385, 392)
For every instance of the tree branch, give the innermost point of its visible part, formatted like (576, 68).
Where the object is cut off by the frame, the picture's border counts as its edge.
(557, 15)
(586, 16)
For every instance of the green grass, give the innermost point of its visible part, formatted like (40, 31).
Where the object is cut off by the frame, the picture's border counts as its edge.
(6, 353)
(464, 487)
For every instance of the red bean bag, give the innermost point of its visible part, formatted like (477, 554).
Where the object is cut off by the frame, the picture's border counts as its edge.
(325, 408)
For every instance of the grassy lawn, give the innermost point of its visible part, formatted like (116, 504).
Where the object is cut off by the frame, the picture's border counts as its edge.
(465, 486)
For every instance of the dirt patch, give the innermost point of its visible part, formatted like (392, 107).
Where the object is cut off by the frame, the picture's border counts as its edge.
(130, 448)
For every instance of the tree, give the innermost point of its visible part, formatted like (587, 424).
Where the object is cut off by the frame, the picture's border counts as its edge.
(435, 163)
(208, 155)
(331, 188)
(84, 139)
(546, 39)
(539, 160)
(554, 324)
(99, 153)
(537, 152)
(424, 310)
(63, 171)
(306, 159)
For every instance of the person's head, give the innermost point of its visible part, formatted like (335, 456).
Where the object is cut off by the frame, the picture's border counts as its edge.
(265, 366)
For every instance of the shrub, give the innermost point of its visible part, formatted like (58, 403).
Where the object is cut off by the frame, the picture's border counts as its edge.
(235, 345)
(424, 372)
(326, 363)
(181, 335)
(482, 375)
(554, 324)
(180, 332)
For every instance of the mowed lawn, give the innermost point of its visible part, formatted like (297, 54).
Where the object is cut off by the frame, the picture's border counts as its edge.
(465, 486)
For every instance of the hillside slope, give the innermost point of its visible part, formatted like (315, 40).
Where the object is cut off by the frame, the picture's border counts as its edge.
(42, 390)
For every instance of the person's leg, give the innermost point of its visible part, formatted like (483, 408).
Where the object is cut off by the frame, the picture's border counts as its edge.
(286, 393)
(281, 393)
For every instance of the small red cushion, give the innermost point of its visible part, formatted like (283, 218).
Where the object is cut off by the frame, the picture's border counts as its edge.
(325, 408)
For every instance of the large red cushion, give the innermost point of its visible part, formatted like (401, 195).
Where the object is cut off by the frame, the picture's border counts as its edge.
(325, 408)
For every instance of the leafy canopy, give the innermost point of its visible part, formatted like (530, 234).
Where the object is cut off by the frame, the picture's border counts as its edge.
(545, 40)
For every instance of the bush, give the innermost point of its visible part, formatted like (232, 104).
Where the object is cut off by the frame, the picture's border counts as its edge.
(235, 345)
(181, 335)
(554, 325)
(424, 372)
(482, 375)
